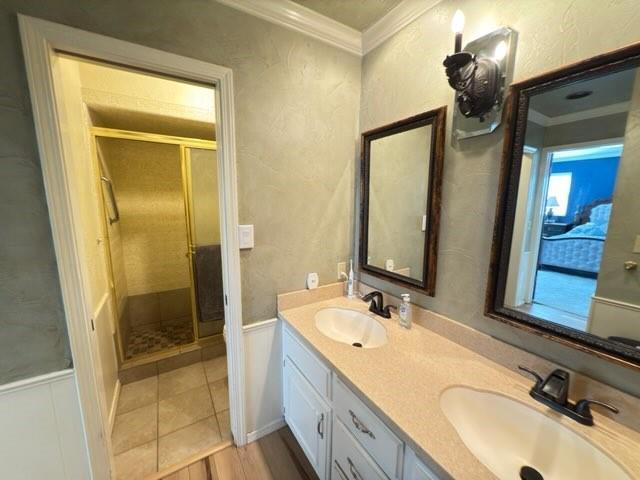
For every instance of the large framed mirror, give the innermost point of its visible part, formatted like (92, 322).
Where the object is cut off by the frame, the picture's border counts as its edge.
(401, 177)
(567, 235)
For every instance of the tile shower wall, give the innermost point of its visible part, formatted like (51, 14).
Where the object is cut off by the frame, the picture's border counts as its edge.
(551, 34)
(296, 113)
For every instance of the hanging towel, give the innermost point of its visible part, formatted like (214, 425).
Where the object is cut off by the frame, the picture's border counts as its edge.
(208, 283)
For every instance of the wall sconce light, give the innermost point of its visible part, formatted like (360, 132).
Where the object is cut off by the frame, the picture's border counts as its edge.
(478, 74)
(477, 79)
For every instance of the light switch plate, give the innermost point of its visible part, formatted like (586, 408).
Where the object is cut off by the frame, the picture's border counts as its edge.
(636, 247)
(245, 236)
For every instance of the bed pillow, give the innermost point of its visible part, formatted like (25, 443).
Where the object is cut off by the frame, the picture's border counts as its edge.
(600, 215)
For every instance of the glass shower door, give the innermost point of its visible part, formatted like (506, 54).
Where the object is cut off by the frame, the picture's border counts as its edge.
(206, 254)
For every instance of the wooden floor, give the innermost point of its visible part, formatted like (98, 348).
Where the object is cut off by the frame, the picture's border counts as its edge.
(274, 457)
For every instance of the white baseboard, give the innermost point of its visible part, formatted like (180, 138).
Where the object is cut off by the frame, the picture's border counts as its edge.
(265, 430)
(114, 406)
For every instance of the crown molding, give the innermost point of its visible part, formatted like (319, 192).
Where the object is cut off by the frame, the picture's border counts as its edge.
(301, 19)
(546, 121)
(294, 16)
(398, 17)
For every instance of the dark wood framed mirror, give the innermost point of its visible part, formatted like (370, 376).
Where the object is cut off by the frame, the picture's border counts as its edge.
(401, 183)
(566, 242)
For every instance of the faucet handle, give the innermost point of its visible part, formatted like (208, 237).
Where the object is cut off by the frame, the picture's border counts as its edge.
(582, 407)
(534, 374)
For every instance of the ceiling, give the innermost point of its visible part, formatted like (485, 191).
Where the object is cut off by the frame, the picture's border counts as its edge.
(137, 121)
(131, 100)
(357, 14)
(607, 90)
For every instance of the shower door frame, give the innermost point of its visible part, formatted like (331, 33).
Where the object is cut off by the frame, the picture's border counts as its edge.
(183, 143)
(41, 41)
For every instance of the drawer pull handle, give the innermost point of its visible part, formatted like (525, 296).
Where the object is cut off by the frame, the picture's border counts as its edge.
(360, 426)
(343, 476)
(354, 471)
(321, 426)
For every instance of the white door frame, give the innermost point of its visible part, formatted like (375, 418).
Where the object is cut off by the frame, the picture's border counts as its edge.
(40, 41)
(539, 211)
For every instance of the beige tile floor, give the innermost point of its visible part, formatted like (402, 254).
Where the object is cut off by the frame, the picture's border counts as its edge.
(164, 419)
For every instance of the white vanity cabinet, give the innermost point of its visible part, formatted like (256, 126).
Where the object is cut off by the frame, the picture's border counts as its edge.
(342, 438)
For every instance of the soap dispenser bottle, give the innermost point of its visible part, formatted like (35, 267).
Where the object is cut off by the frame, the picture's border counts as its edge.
(350, 280)
(404, 311)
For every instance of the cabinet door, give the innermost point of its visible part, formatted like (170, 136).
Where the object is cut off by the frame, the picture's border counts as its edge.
(414, 469)
(308, 416)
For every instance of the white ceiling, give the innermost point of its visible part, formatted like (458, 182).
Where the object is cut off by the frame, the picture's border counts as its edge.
(608, 89)
(357, 14)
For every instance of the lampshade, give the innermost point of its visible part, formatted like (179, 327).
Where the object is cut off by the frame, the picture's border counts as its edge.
(552, 202)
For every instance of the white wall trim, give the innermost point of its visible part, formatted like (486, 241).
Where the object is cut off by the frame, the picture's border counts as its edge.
(36, 381)
(114, 406)
(266, 430)
(40, 40)
(616, 303)
(294, 16)
(301, 19)
(399, 17)
(259, 325)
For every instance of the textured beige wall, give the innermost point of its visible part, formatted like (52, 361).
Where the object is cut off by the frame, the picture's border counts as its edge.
(614, 281)
(147, 179)
(405, 76)
(296, 113)
(399, 172)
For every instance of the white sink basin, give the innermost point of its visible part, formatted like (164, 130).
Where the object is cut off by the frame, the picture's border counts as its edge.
(351, 327)
(506, 435)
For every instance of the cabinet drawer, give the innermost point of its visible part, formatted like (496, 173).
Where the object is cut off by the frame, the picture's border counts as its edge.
(376, 438)
(349, 459)
(311, 367)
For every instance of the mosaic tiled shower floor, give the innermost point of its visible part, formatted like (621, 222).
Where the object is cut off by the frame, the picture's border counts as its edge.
(154, 339)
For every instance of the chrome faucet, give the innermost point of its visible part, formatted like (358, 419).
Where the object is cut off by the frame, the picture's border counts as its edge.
(553, 392)
(377, 305)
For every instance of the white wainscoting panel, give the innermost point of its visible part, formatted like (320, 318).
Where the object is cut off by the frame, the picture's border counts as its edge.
(41, 434)
(613, 318)
(263, 371)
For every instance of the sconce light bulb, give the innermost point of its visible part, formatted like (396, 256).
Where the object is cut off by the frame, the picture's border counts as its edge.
(501, 51)
(457, 24)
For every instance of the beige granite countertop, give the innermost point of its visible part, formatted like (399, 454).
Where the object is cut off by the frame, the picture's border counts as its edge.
(402, 382)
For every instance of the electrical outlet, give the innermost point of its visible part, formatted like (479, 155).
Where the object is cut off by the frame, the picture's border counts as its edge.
(342, 268)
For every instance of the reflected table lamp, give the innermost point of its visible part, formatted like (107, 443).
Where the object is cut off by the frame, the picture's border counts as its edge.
(551, 202)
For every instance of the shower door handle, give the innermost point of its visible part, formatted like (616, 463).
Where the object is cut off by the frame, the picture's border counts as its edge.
(112, 197)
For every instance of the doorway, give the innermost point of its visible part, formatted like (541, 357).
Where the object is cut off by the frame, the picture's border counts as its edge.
(63, 144)
(568, 204)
